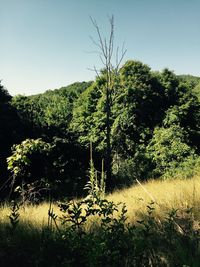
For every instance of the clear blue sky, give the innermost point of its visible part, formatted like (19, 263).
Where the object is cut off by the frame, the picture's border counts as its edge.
(45, 44)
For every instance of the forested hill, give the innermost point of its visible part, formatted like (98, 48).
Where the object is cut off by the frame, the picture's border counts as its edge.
(72, 90)
(193, 82)
(50, 111)
(154, 127)
(190, 79)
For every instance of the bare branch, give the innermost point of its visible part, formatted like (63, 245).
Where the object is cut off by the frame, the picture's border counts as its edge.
(103, 62)
(95, 70)
(111, 40)
(99, 35)
(95, 43)
(119, 59)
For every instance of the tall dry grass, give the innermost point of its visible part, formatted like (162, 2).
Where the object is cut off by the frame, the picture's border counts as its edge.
(30, 215)
(167, 195)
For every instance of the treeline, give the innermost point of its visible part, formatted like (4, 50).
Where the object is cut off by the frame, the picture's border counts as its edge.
(154, 122)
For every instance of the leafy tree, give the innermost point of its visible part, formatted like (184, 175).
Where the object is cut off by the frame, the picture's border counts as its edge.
(171, 154)
(10, 131)
(142, 101)
(186, 113)
(196, 90)
(138, 107)
(170, 83)
(30, 115)
(83, 123)
(71, 91)
(190, 80)
(48, 114)
(58, 104)
(28, 166)
(27, 160)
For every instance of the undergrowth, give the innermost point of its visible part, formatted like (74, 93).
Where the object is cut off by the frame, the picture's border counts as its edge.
(111, 241)
(97, 230)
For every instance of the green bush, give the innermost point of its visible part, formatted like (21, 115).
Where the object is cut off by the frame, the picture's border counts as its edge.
(171, 154)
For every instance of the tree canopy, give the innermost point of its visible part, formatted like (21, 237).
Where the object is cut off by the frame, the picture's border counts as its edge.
(154, 126)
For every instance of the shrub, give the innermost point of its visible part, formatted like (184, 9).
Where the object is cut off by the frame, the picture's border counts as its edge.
(171, 154)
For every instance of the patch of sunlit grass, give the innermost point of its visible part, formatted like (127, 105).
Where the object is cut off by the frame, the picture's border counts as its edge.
(30, 215)
(166, 194)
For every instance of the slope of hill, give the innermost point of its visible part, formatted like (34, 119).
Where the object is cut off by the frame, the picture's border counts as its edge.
(52, 109)
(193, 80)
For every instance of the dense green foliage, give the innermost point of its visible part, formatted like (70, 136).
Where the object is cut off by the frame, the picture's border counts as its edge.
(45, 119)
(144, 101)
(154, 123)
(11, 132)
(48, 114)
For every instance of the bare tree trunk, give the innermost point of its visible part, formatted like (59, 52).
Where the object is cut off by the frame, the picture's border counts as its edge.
(106, 47)
(108, 140)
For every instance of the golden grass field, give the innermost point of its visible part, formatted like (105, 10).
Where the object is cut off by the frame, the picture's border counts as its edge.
(166, 194)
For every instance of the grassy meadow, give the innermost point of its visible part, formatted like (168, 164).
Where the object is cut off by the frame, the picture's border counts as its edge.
(162, 229)
(166, 195)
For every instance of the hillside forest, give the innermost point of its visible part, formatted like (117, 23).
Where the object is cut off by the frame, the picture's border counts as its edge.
(46, 139)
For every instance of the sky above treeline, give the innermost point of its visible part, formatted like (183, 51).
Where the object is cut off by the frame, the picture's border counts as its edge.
(46, 44)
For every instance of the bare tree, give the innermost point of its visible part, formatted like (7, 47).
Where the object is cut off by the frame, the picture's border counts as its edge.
(111, 60)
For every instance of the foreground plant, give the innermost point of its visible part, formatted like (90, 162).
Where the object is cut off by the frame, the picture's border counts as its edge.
(14, 216)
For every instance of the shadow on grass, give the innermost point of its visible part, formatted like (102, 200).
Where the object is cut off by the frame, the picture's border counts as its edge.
(172, 242)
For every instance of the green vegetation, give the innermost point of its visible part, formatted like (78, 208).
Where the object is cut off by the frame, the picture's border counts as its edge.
(153, 129)
(142, 125)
